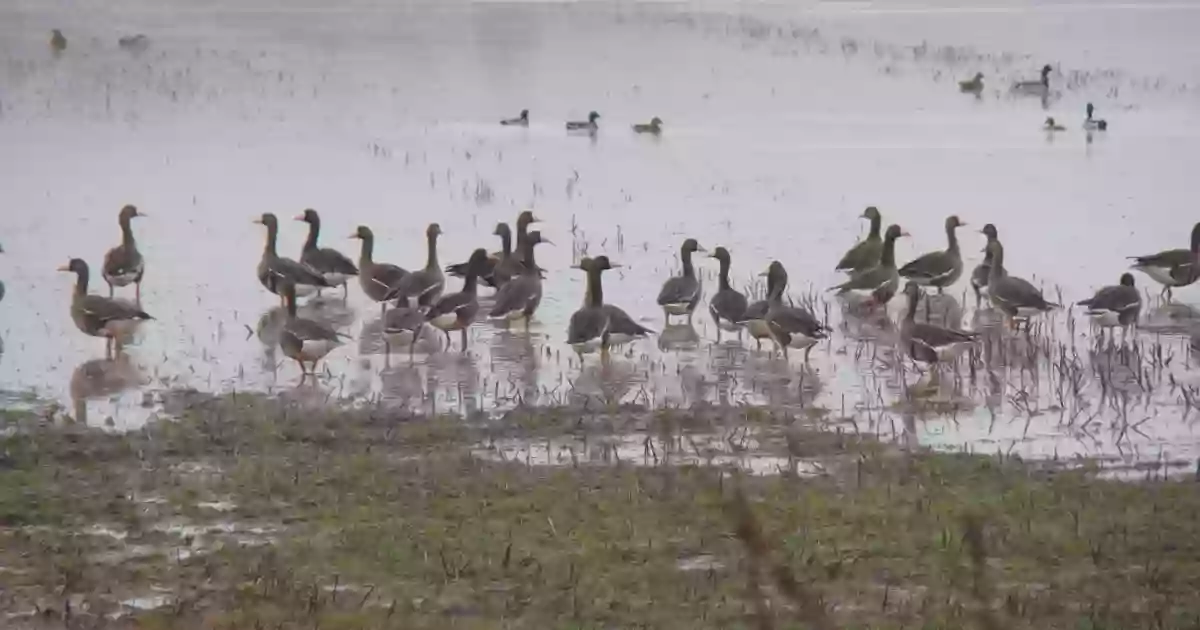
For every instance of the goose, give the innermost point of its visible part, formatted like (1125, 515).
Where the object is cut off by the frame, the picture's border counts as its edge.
(587, 330)
(430, 279)
(1050, 125)
(880, 282)
(1013, 296)
(1172, 268)
(402, 324)
(755, 317)
(865, 254)
(58, 42)
(520, 121)
(982, 271)
(590, 126)
(680, 294)
(973, 85)
(505, 266)
(488, 277)
(941, 268)
(930, 343)
(302, 339)
(1094, 124)
(123, 264)
(98, 316)
(520, 297)
(790, 326)
(728, 305)
(379, 281)
(273, 268)
(333, 265)
(1115, 305)
(654, 127)
(457, 311)
(1039, 87)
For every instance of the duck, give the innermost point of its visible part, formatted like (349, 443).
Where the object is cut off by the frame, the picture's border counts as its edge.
(589, 126)
(403, 323)
(680, 294)
(1172, 268)
(973, 85)
(123, 264)
(333, 265)
(755, 318)
(98, 316)
(865, 254)
(1013, 296)
(982, 271)
(521, 120)
(58, 42)
(930, 343)
(790, 326)
(1115, 305)
(881, 281)
(728, 305)
(457, 311)
(380, 281)
(1051, 125)
(305, 340)
(519, 298)
(133, 43)
(939, 269)
(1039, 87)
(1094, 124)
(429, 280)
(654, 127)
(273, 268)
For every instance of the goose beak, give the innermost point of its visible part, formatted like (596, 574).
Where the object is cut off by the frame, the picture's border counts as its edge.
(904, 233)
(764, 274)
(299, 217)
(963, 224)
(613, 265)
(547, 241)
(701, 249)
(353, 236)
(140, 214)
(258, 221)
(65, 268)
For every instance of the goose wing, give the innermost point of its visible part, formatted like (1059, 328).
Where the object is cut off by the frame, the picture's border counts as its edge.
(679, 290)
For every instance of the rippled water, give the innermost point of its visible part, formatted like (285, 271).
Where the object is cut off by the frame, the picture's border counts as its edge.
(781, 125)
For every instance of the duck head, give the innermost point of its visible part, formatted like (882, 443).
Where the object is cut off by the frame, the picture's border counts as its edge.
(978, 76)
(524, 114)
(1090, 109)
(77, 266)
(989, 231)
(656, 122)
(593, 117)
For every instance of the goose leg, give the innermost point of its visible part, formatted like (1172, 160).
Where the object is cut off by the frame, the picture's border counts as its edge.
(978, 297)
(464, 339)
(807, 351)
(449, 343)
(110, 289)
(137, 292)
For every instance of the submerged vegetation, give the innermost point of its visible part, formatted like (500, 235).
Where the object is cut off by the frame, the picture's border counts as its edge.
(249, 512)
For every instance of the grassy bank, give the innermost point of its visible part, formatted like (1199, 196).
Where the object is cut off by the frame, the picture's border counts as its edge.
(253, 513)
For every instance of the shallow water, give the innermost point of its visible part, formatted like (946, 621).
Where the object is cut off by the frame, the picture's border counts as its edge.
(781, 125)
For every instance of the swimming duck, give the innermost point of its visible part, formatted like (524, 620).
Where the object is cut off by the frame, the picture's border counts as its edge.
(380, 281)
(930, 343)
(1050, 125)
(99, 316)
(403, 323)
(979, 277)
(941, 268)
(881, 281)
(1174, 267)
(1039, 87)
(728, 305)
(589, 126)
(865, 254)
(333, 265)
(134, 43)
(1013, 296)
(655, 126)
(1094, 124)
(790, 326)
(457, 311)
(680, 294)
(973, 85)
(273, 268)
(58, 43)
(520, 297)
(430, 279)
(124, 264)
(519, 121)
(1115, 305)
(302, 339)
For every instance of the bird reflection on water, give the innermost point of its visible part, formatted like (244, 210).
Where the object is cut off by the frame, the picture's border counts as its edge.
(97, 379)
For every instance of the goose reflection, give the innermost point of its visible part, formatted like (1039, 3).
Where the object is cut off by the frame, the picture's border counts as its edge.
(373, 341)
(101, 378)
(516, 362)
(940, 310)
(329, 311)
(607, 384)
(678, 337)
(777, 382)
(453, 382)
(1171, 317)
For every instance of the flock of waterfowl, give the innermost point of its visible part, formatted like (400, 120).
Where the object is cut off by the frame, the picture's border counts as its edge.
(1040, 88)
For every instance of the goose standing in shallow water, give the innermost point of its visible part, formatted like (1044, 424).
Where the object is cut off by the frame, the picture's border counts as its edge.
(938, 269)
(1039, 87)
(402, 325)
(973, 85)
(982, 271)
(790, 326)
(520, 297)
(1172, 268)
(123, 264)
(680, 294)
(728, 305)
(380, 281)
(98, 316)
(929, 343)
(879, 283)
(274, 269)
(305, 340)
(1115, 305)
(457, 311)
(755, 317)
(520, 121)
(654, 127)
(865, 254)
(1094, 124)
(333, 265)
(429, 280)
(599, 325)
(1013, 296)
(589, 126)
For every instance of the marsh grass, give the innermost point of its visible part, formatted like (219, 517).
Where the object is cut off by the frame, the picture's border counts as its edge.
(378, 520)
